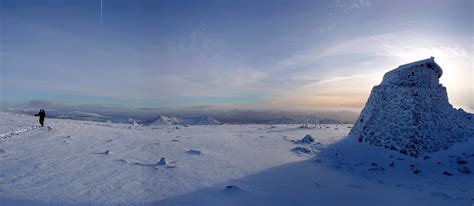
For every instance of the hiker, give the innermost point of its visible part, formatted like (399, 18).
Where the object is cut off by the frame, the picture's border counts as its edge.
(42, 115)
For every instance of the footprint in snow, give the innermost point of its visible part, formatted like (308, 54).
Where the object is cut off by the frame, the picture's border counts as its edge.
(106, 152)
(441, 195)
(124, 161)
(194, 152)
(162, 163)
(232, 189)
(356, 186)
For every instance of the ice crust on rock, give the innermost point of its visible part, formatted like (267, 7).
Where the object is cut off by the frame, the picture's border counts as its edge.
(163, 161)
(307, 139)
(410, 112)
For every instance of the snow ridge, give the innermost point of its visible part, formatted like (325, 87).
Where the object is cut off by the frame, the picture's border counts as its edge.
(9, 134)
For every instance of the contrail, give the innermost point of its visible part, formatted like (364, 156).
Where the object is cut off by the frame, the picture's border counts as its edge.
(101, 7)
(100, 27)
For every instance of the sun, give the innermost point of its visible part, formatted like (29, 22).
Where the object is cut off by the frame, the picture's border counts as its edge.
(458, 71)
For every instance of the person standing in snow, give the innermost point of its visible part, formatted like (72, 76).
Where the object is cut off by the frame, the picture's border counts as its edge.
(42, 115)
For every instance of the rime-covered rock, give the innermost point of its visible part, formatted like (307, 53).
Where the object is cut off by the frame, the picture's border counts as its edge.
(308, 139)
(410, 112)
(163, 161)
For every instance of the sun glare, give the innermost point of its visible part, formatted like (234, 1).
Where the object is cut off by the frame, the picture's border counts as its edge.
(457, 71)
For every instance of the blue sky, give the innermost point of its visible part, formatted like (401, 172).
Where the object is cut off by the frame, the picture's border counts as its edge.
(229, 53)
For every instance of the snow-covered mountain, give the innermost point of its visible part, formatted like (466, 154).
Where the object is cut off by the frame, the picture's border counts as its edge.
(165, 120)
(199, 121)
(329, 121)
(285, 120)
(168, 120)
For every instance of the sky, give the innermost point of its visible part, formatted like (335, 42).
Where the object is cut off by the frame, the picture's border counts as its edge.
(281, 54)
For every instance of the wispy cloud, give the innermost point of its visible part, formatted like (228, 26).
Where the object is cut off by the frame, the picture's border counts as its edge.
(337, 79)
(348, 5)
(353, 66)
(317, 52)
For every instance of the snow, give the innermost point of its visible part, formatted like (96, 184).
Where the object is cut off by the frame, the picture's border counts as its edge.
(199, 121)
(307, 139)
(165, 120)
(97, 163)
(410, 112)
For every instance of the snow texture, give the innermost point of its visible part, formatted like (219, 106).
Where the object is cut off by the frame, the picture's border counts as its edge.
(241, 165)
(409, 112)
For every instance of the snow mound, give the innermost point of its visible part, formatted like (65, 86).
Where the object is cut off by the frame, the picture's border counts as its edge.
(308, 139)
(163, 161)
(409, 112)
(165, 120)
(301, 150)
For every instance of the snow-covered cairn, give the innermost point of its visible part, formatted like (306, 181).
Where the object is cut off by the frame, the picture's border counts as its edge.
(410, 112)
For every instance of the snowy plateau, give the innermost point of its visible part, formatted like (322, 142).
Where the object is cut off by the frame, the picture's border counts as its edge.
(73, 162)
(405, 149)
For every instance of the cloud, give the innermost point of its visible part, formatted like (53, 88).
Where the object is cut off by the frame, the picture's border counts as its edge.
(338, 79)
(203, 66)
(225, 83)
(401, 44)
(347, 70)
(44, 103)
(349, 5)
(400, 47)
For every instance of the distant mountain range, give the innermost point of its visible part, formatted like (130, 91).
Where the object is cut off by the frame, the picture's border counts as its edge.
(190, 116)
(167, 120)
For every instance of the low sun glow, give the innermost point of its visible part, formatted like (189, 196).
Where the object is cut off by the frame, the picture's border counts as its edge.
(457, 71)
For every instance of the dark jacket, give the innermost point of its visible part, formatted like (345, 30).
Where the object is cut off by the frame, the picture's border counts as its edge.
(41, 114)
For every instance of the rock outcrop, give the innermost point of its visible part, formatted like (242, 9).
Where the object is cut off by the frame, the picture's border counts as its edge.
(410, 112)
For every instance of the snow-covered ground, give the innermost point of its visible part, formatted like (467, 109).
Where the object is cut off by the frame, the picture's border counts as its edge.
(91, 163)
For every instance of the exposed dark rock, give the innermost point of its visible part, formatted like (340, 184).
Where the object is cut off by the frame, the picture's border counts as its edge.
(464, 170)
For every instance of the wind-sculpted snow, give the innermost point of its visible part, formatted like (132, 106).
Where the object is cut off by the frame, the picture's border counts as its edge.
(6, 135)
(409, 112)
(92, 163)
